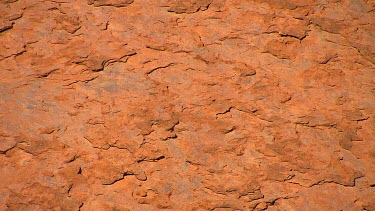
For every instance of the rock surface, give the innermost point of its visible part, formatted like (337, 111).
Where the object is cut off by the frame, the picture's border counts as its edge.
(187, 105)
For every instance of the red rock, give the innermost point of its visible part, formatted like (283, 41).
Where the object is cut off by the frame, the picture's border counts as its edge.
(190, 6)
(115, 3)
(187, 105)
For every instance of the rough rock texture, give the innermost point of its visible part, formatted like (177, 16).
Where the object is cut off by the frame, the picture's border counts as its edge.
(187, 104)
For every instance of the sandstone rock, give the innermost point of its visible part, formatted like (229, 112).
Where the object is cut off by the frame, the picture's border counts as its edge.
(115, 3)
(190, 6)
(187, 105)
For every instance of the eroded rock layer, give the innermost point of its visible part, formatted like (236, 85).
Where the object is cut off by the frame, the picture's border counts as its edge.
(187, 105)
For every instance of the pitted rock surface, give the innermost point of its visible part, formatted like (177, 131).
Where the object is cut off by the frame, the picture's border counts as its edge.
(187, 105)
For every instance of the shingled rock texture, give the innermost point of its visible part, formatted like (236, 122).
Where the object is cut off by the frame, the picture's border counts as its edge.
(187, 105)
